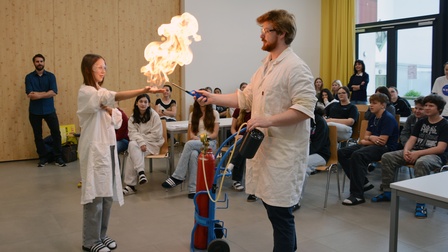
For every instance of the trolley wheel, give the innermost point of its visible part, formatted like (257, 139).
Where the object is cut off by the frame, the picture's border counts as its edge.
(218, 245)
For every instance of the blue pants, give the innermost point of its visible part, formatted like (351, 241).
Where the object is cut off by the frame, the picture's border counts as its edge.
(282, 221)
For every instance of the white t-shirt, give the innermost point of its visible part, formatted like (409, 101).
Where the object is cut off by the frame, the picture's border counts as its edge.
(441, 88)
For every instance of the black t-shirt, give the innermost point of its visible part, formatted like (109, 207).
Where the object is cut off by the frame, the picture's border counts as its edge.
(428, 135)
(339, 111)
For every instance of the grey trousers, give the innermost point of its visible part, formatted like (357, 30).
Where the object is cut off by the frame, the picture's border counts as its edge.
(96, 216)
(391, 161)
(96, 219)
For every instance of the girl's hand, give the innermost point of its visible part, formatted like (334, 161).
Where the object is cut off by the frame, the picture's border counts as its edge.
(108, 109)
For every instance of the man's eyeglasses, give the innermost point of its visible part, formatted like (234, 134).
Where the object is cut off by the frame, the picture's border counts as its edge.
(266, 30)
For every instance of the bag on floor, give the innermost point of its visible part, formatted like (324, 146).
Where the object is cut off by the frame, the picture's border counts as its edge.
(69, 152)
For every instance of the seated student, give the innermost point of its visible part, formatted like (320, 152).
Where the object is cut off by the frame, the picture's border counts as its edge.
(335, 87)
(122, 133)
(402, 106)
(167, 107)
(343, 114)
(325, 99)
(426, 149)
(381, 136)
(203, 119)
(238, 162)
(418, 114)
(221, 109)
(319, 141)
(146, 135)
(389, 108)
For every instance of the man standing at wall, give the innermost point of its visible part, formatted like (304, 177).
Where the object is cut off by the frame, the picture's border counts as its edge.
(41, 87)
(281, 98)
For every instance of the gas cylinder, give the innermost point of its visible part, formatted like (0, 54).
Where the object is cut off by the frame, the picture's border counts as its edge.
(205, 159)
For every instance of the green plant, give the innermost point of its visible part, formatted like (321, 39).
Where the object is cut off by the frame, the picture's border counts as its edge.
(413, 93)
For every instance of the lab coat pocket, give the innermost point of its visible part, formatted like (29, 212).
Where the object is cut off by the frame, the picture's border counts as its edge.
(102, 162)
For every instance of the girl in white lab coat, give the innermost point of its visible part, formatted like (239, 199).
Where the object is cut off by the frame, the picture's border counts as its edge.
(146, 137)
(98, 159)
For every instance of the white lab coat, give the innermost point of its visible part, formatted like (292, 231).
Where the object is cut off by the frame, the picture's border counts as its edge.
(277, 171)
(97, 135)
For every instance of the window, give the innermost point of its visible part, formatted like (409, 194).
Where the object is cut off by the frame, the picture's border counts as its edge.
(398, 41)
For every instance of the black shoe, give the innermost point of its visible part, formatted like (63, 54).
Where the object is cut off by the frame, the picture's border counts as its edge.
(368, 187)
(191, 195)
(314, 172)
(371, 167)
(171, 182)
(60, 162)
(42, 162)
(251, 198)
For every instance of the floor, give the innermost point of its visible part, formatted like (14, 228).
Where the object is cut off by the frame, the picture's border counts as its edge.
(41, 211)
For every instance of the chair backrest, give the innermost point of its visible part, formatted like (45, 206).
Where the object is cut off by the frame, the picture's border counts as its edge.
(363, 129)
(362, 107)
(356, 127)
(397, 117)
(333, 135)
(164, 148)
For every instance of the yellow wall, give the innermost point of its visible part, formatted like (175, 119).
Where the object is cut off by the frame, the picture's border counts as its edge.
(64, 31)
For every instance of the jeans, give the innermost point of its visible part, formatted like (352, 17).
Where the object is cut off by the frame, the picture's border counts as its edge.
(122, 145)
(314, 160)
(53, 124)
(96, 215)
(95, 220)
(354, 160)
(282, 221)
(189, 162)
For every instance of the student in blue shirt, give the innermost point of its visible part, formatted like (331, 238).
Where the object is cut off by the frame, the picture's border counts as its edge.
(381, 137)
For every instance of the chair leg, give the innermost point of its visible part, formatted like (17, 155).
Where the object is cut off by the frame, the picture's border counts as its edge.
(150, 165)
(337, 177)
(410, 172)
(123, 162)
(328, 186)
(343, 183)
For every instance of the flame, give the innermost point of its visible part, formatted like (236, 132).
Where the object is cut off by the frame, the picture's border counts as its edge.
(163, 56)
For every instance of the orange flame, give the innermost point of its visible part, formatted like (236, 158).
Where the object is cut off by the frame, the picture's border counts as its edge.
(163, 56)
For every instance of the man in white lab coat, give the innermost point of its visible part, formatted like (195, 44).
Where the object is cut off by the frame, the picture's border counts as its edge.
(281, 97)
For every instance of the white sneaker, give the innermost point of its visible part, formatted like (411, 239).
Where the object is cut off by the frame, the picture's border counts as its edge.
(128, 191)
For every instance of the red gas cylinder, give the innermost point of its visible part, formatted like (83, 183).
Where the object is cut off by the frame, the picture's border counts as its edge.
(207, 160)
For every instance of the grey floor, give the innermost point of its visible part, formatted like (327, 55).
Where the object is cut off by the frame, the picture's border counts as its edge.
(40, 211)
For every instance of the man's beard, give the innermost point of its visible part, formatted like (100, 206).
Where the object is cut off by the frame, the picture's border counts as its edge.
(39, 67)
(269, 46)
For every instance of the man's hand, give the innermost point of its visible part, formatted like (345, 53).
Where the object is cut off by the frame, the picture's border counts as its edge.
(206, 98)
(258, 122)
(143, 148)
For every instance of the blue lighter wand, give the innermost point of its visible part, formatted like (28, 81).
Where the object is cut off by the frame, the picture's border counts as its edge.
(192, 93)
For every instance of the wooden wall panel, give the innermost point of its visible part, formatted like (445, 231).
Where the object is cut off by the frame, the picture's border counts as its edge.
(64, 31)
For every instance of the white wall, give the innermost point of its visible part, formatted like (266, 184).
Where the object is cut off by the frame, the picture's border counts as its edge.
(230, 50)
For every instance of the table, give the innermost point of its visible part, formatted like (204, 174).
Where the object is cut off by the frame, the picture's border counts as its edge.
(429, 189)
(180, 127)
